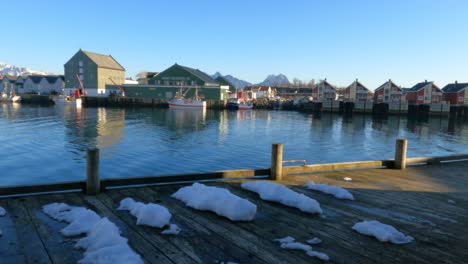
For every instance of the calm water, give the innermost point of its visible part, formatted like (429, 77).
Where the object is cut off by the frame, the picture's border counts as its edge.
(48, 144)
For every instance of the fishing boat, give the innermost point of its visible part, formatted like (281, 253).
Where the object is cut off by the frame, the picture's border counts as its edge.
(239, 104)
(233, 104)
(179, 101)
(245, 105)
(12, 98)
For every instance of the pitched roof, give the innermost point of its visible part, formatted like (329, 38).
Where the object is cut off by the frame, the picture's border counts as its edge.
(325, 83)
(53, 78)
(10, 78)
(391, 83)
(358, 84)
(35, 78)
(419, 86)
(454, 87)
(104, 61)
(199, 74)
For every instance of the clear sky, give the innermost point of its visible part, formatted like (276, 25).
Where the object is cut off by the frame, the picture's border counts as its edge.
(405, 40)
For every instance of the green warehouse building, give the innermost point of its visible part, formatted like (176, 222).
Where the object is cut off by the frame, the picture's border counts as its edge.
(95, 71)
(178, 78)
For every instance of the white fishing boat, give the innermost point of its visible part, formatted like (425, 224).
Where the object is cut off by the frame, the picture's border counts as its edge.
(189, 103)
(15, 99)
(179, 101)
(12, 98)
(239, 104)
(245, 105)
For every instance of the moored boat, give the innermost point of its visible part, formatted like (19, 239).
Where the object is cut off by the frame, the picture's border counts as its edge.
(239, 104)
(188, 103)
(12, 98)
(233, 104)
(179, 101)
(245, 105)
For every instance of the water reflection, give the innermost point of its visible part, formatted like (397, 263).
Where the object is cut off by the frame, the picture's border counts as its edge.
(145, 141)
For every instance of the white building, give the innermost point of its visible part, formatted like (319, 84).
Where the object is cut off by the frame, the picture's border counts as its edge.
(7, 83)
(47, 84)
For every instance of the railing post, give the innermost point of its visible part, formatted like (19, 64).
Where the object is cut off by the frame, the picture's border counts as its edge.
(400, 154)
(276, 162)
(93, 184)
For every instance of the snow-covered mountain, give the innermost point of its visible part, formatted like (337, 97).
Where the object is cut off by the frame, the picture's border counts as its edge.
(7, 69)
(238, 83)
(272, 79)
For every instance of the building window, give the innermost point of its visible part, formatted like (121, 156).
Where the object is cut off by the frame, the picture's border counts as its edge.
(80, 63)
(81, 77)
(80, 70)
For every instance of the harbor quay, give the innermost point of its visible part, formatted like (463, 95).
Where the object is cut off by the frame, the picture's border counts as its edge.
(101, 81)
(424, 198)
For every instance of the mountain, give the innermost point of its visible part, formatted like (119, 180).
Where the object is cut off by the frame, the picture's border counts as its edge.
(238, 83)
(272, 79)
(7, 69)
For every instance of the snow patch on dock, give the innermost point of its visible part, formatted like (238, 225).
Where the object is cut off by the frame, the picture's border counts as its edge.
(218, 200)
(336, 191)
(382, 232)
(279, 193)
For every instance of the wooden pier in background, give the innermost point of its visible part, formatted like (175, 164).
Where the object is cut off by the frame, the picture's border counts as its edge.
(428, 202)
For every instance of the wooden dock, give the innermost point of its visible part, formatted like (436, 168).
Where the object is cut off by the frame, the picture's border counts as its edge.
(428, 202)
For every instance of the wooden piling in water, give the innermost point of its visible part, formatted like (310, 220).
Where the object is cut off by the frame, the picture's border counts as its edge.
(401, 147)
(276, 162)
(93, 183)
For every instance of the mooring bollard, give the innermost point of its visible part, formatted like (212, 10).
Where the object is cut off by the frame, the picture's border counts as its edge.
(93, 184)
(276, 162)
(400, 154)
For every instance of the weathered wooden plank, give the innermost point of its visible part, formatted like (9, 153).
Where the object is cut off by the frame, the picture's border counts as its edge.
(59, 248)
(233, 232)
(334, 227)
(51, 187)
(137, 241)
(437, 159)
(29, 242)
(417, 227)
(336, 166)
(424, 232)
(9, 244)
(112, 199)
(218, 175)
(207, 245)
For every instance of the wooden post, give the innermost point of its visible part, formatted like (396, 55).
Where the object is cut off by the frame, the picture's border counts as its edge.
(400, 154)
(93, 184)
(276, 162)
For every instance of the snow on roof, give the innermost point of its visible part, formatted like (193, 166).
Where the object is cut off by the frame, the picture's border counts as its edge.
(217, 200)
(383, 232)
(279, 193)
(338, 192)
(149, 214)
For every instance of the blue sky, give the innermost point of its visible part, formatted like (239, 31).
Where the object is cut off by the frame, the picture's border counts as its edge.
(405, 40)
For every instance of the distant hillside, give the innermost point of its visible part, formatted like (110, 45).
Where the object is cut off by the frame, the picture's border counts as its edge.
(279, 80)
(238, 83)
(7, 69)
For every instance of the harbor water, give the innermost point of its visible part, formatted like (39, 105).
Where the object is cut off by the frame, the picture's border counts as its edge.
(48, 144)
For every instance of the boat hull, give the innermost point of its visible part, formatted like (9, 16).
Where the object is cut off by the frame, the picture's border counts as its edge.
(186, 103)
